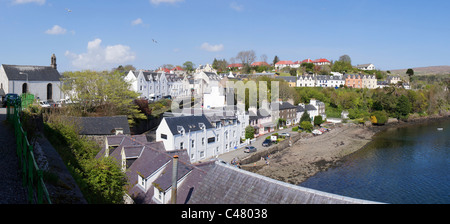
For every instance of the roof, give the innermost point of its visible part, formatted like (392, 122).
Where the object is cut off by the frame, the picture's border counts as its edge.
(189, 123)
(102, 125)
(288, 78)
(284, 63)
(35, 73)
(235, 65)
(283, 105)
(321, 60)
(225, 184)
(260, 63)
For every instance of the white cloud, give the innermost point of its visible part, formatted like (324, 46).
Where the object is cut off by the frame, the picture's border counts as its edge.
(98, 57)
(137, 22)
(19, 2)
(212, 48)
(157, 2)
(55, 30)
(237, 7)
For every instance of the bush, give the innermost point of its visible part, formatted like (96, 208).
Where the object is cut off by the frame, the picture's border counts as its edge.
(318, 120)
(379, 118)
(295, 128)
(307, 126)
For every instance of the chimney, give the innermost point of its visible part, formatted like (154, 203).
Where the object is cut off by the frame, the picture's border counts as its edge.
(174, 179)
(53, 63)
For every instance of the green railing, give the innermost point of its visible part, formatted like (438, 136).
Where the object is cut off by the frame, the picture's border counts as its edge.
(32, 176)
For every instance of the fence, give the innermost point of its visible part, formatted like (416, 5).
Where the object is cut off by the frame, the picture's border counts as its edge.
(27, 99)
(32, 176)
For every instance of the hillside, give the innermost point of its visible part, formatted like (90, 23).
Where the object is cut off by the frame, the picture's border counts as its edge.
(444, 69)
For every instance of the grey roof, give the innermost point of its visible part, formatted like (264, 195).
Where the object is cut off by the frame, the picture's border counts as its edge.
(35, 73)
(225, 184)
(102, 125)
(189, 123)
(283, 106)
(310, 107)
(288, 78)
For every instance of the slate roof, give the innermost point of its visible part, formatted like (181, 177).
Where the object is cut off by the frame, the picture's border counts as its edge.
(225, 184)
(35, 73)
(189, 123)
(288, 78)
(102, 125)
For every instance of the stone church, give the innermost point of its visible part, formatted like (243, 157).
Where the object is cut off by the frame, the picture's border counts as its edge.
(42, 81)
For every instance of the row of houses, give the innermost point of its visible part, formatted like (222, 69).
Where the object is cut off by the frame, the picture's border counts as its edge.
(338, 80)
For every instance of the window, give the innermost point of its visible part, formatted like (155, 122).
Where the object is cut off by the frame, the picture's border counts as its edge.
(211, 140)
(218, 138)
(192, 143)
(163, 136)
(181, 145)
(203, 141)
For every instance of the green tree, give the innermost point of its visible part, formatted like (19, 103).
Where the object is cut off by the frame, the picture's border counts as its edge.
(318, 120)
(379, 117)
(305, 117)
(249, 132)
(106, 181)
(306, 125)
(410, 72)
(275, 60)
(403, 107)
(102, 93)
(188, 66)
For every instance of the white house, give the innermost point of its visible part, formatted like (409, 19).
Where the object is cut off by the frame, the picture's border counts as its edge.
(202, 137)
(205, 68)
(43, 82)
(214, 99)
(366, 67)
(306, 81)
(369, 81)
(283, 64)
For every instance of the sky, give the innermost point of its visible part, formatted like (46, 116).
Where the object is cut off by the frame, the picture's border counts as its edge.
(103, 34)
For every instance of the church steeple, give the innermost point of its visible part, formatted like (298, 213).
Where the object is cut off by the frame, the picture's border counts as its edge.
(53, 61)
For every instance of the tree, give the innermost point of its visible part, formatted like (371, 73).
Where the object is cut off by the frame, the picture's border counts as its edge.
(249, 132)
(379, 118)
(305, 117)
(188, 66)
(264, 58)
(293, 72)
(318, 120)
(345, 58)
(306, 125)
(106, 181)
(410, 72)
(246, 57)
(124, 69)
(275, 60)
(403, 107)
(103, 93)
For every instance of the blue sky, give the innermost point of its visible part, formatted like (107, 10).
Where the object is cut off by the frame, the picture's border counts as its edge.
(102, 34)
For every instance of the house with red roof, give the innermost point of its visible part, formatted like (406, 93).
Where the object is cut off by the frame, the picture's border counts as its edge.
(235, 65)
(260, 63)
(321, 61)
(283, 64)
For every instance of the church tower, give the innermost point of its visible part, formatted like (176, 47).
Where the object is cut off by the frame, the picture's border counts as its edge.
(53, 61)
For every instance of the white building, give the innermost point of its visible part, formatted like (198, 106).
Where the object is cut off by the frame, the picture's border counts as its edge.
(205, 68)
(366, 67)
(306, 81)
(369, 81)
(202, 137)
(43, 82)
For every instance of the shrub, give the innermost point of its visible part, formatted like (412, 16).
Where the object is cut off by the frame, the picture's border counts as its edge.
(295, 128)
(379, 118)
(307, 126)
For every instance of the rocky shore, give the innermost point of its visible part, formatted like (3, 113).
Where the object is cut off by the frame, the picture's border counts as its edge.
(310, 155)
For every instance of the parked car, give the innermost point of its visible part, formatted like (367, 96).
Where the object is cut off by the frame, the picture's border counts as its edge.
(267, 143)
(44, 104)
(249, 149)
(11, 97)
(284, 134)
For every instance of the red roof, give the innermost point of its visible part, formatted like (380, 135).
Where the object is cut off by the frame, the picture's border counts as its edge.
(307, 61)
(178, 68)
(322, 60)
(284, 63)
(261, 63)
(236, 65)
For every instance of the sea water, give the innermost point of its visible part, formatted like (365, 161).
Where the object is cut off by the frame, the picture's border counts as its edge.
(408, 165)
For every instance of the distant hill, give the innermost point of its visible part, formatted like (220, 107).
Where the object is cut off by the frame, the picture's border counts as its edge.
(431, 70)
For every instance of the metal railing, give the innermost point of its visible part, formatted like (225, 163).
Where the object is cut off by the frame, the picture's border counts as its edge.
(32, 176)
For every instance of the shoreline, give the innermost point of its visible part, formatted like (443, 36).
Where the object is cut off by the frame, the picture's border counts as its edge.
(311, 155)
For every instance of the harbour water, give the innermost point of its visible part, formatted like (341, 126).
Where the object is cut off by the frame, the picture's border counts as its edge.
(409, 165)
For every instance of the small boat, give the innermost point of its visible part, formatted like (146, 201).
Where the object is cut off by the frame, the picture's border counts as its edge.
(440, 129)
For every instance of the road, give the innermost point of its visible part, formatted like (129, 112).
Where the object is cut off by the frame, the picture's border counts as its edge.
(240, 154)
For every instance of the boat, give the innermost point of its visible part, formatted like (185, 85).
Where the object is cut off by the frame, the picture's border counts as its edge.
(440, 129)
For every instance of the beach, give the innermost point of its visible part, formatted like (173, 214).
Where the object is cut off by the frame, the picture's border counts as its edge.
(312, 154)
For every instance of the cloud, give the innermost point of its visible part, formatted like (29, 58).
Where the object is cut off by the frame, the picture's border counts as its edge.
(212, 48)
(55, 30)
(237, 7)
(98, 57)
(137, 22)
(19, 2)
(157, 2)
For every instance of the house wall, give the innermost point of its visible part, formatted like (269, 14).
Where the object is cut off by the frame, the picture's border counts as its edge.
(37, 88)
(4, 80)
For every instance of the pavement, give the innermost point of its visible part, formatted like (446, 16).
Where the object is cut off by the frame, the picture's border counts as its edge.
(240, 154)
(11, 188)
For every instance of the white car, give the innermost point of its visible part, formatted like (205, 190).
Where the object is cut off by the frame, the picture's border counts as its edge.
(284, 134)
(44, 104)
